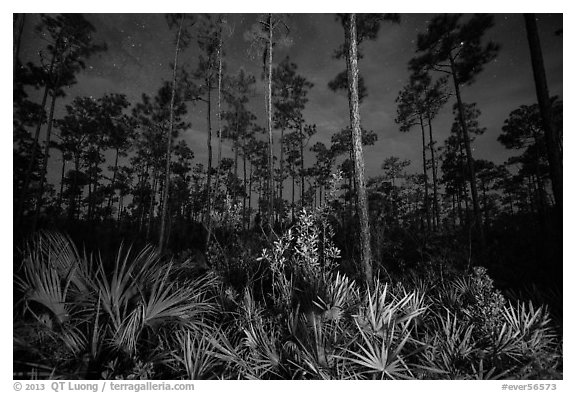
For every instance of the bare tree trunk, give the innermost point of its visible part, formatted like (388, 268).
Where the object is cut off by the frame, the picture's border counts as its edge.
(244, 184)
(302, 190)
(113, 183)
(250, 197)
(553, 143)
(270, 140)
(154, 185)
(293, 191)
(208, 216)
(470, 161)
(357, 145)
(44, 171)
(62, 175)
(539, 180)
(434, 174)
(161, 240)
(219, 56)
(219, 94)
(72, 203)
(281, 180)
(425, 172)
(236, 156)
(120, 205)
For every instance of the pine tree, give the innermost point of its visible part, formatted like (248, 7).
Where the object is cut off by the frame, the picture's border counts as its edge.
(352, 58)
(183, 37)
(552, 136)
(454, 47)
(70, 43)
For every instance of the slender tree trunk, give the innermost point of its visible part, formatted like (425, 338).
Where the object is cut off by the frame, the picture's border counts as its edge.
(354, 186)
(270, 140)
(244, 184)
(425, 172)
(120, 203)
(302, 190)
(236, 157)
(350, 196)
(553, 143)
(72, 202)
(470, 160)
(89, 202)
(260, 181)
(154, 186)
(459, 203)
(161, 240)
(44, 171)
(113, 183)
(434, 174)
(357, 145)
(208, 217)
(539, 180)
(62, 175)
(293, 191)
(281, 180)
(454, 212)
(250, 196)
(219, 54)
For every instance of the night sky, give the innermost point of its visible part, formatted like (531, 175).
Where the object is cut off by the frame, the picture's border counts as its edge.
(140, 48)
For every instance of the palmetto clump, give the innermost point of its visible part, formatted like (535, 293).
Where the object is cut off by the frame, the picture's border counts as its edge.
(97, 311)
(139, 316)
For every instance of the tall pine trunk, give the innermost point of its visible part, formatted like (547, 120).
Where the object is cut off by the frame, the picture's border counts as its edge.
(293, 190)
(357, 145)
(166, 196)
(270, 140)
(219, 54)
(44, 170)
(425, 173)
(62, 176)
(154, 186)
(553, 143)
(434, 174)
(250, 196)
(302, 189)
(244, 177)
(208, 216)
(470, 161)
(281, 178)
(113, 183)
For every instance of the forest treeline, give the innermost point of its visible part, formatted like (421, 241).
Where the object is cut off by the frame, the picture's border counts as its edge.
(127, 172)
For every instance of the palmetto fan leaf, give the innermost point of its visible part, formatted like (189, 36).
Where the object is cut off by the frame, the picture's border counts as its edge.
(167, 301)
(380, 347)
(42, 284)
(531, 325)
(380, 356)
(52, 276)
